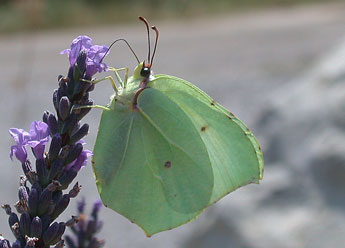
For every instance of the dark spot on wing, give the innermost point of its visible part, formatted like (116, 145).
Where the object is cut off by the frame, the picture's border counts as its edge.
(203, 128)
(213, 103)
(167, 164)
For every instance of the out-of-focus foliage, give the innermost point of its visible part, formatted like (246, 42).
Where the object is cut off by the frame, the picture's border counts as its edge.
(43, 14)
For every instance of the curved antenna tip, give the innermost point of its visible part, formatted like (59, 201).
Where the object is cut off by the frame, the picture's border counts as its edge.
(143, 19)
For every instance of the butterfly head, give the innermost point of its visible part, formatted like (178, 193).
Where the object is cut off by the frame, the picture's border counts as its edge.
(145, 68)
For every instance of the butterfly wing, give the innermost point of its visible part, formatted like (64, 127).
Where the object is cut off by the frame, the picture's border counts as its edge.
(151, 164)
(235, 154)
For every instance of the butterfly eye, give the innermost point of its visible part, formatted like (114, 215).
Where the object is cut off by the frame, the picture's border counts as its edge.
(145, 72)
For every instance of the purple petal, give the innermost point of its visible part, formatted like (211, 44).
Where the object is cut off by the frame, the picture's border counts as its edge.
(65, 51)
(81, 142)
(79, 43)
(39, 132)
(94, 60)
(95, 54)
(39, 151)
(80, 162)
(20, 153)
(21, 137)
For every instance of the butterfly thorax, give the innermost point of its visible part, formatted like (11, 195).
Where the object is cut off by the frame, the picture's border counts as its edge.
(127, 97)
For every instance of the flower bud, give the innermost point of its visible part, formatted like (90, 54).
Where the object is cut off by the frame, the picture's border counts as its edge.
(50, 233)
(36, 227)
(55, 147)
(45, 116)
(7, 209)
(19, 207)
(30, 242)
(81, 205)
(55, 100)
(44, 202)
(73, 220)
(64, 108)
(95, 243)
(61, 205)
(12, 219)
(66, 178)
(55, 169)
(91, 227)
(24, 224)
(73, 154)
(85, 97)
(54, 185)
(53, 125)
(81, 61)
(99, 225)
(91, 88)
(42, 172)
(60, 232)
(69, 242)
(75, 190)
(69, 124)
(85, 111)
(46, 221)
(96, 207)
(33, 201)
(4, 243)
(63, 88)
(23, 196)
(80, 90)
(29, 173)
(78, 135)
(16, 244)
(16, 231)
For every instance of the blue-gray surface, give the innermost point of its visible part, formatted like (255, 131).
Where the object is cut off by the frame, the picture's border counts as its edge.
(280, 71)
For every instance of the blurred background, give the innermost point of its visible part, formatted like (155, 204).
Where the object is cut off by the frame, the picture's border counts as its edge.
(279, 65)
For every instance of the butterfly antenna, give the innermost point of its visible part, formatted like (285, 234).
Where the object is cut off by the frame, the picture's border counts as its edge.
(129, 46)
(156, 42)
(148, 36)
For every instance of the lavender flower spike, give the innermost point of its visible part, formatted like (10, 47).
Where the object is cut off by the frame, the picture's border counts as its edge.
(21, 137)
(95, 54)
(39, 132)
(40, 204)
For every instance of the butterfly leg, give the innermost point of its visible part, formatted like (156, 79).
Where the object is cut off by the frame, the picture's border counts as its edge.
(124, 82)
(91, 106)
(103, 79)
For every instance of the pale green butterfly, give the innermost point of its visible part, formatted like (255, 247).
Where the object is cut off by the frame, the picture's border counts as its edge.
(165, 150)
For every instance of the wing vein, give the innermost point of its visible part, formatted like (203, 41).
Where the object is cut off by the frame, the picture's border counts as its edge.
(125, 150)
(170, 142)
